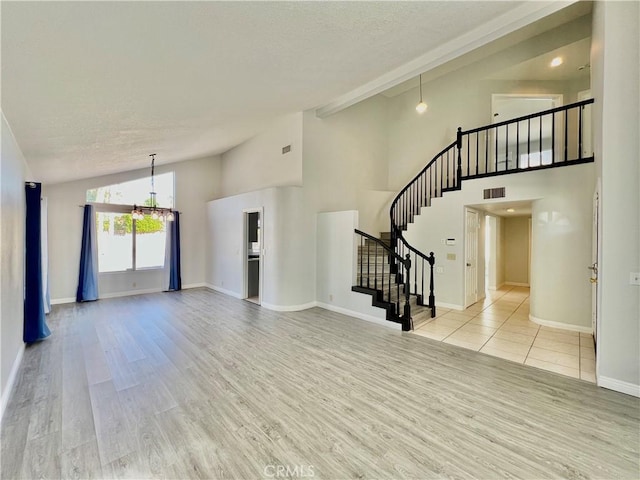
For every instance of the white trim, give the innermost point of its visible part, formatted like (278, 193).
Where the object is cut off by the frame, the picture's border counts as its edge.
(194, 285)
(59, 301)
(223, 290)
(496, 288)
(130, 293)
(560, 325)
(361, 316)
(289, 308)
(500, 26)
(619, 386)
(8, 388)
(516, 284)
(450, 306)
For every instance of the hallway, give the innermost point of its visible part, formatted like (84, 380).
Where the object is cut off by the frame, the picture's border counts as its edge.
(499, 326)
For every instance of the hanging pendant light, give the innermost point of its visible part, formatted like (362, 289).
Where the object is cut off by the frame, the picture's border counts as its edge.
(157, 213)
(421, 107)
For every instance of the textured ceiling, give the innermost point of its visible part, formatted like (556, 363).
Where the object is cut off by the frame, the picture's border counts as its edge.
(91, 88)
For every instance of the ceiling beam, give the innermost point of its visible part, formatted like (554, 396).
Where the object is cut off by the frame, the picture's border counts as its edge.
(503, 25)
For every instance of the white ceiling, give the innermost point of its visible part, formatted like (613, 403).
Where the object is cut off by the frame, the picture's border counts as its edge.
(574, 56)
(91, 88)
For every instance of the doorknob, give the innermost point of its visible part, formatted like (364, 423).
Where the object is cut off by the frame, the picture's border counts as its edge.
(468, 264)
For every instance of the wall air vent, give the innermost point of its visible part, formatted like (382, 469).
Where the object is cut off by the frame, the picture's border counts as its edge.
(494, 193)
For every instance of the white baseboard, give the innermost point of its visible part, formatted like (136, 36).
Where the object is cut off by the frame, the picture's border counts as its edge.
(130, 293)
(361, 316)
(619, 386)
(560, 325)
(493, 288)
(194, 285)
(60, 301)
(289, 308)
(223, 290)
(8, 388)
(450, 306)
(516, 284)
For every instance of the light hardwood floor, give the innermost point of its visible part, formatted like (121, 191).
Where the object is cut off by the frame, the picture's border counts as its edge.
(196, 384)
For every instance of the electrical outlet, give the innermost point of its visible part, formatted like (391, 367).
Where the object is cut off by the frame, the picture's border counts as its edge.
(634, 278)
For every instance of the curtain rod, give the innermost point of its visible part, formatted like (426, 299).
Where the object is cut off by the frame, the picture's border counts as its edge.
(174, 211)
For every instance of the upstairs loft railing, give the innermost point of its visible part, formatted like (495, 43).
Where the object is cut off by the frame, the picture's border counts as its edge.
(391, 289)
(551, 138)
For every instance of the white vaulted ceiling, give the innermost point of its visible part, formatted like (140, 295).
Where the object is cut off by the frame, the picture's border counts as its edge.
(91, 88)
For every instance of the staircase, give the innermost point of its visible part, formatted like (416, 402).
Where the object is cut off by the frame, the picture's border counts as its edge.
(378, 275)
(389, 268)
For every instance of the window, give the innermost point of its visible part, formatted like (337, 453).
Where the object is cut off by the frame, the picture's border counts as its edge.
(126, 244)
(135, 192)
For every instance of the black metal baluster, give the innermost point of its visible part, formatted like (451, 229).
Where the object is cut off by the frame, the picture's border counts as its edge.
(468, 154)
(415, 275)
(477, 152)
(486, 151)
(361, 260)
(528, 142)
(553, 138)
(368, 263)
(422, 286)
(384, 260)
(540, 140)
(580, 132)
(496, 154)
(506, 147)
(375, 269)
(518, 145)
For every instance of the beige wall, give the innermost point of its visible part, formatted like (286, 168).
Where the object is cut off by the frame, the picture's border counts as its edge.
(196, 182)
(516, 250)
(615, 59)
(259, 162)
(13, 173)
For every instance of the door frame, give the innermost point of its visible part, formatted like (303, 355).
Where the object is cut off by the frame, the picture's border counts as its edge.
(556, 98)
(477, 297)
(245, 252)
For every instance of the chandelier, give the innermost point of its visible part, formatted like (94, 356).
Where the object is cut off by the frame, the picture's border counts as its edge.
(157, 213)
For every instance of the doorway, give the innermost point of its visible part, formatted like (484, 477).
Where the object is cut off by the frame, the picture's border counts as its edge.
(472, 230)
(531, 144)
(253, 254)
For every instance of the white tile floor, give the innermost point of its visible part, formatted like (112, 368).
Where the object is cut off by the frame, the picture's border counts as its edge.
(499, 325)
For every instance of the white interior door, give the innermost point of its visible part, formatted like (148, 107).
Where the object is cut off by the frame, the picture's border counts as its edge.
(594, 267)
(471, 257)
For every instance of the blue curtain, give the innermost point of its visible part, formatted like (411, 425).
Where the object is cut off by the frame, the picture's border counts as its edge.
(88, 277)
(35, 327)
(175, 281)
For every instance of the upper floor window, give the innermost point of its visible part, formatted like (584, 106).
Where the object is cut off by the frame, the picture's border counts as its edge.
(136, 192)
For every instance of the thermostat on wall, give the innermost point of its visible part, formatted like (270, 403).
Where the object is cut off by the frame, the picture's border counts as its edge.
(450, 241)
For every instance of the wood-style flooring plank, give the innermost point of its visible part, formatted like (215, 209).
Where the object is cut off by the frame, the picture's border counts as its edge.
(196, 384)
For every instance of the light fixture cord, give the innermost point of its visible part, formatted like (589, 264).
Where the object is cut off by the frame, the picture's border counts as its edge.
(420, 88)
(153, 187)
